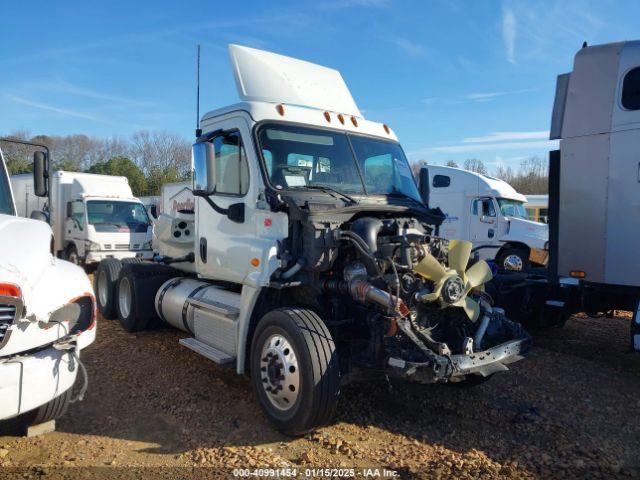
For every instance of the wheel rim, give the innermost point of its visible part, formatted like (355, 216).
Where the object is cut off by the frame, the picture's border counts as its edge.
(513, 262)
(102, 288)
(73, 257)
(279, 372)
(124, 297)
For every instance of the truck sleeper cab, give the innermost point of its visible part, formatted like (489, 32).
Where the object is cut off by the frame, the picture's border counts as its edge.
(310, 255)
(47, 316)
(491, 214)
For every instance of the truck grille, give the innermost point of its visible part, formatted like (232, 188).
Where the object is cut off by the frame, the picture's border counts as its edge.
(7, 315)
(122, 246)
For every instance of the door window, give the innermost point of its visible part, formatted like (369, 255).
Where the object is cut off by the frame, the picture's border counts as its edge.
(631, 90)
(483, 206)
(232, 169)
(77, 214)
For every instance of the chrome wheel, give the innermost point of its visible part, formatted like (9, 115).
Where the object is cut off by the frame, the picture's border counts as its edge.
(103, 293)
(279, 372)
(124, 297)
(513, 262)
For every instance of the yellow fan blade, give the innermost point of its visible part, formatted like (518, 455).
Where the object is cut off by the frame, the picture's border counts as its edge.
(478, 274)
(459, 252)
(471, 308)
(430, 268)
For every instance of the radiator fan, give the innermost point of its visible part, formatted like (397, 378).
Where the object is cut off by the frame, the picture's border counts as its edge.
(453, 284)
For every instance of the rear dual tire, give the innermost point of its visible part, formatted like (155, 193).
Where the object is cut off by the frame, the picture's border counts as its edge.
(295, 370)
(105, 281)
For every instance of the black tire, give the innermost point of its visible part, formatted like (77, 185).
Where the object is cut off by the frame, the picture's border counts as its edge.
(71, 254)
(505, 256)
(318, 367)
(49, 411)
(141, 281)
(105, 280)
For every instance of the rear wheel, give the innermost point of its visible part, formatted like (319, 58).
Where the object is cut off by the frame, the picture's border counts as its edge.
(136, 291)
(295, 370)
(104, 284)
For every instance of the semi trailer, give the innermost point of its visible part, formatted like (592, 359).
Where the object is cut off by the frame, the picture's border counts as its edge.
(47, 315)
(490, 213)
(310, 255)
(92, 216)
(594, 196)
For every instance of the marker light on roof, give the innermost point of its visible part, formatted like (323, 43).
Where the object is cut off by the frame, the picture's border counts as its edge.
(280, 109)
(341, 118)
(327, 115)
(354, 121)
(386, 128)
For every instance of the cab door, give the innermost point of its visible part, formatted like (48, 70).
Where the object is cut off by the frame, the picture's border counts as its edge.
(75, 225)
(483, 226)
(226, 248)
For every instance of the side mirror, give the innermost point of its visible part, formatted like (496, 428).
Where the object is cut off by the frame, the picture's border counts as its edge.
(153, 212)
(69, 210)
(40, 174)
(235, 212)
(423, 185)
(204, 175)
(485, 219)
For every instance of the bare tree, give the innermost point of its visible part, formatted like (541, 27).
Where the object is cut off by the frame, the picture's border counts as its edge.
(475, 165)
(531, 178)
(451, 163)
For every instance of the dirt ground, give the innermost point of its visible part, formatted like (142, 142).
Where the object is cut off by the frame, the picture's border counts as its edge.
(157, 410)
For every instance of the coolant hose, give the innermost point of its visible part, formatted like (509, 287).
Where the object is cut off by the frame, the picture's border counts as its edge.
(292, 271)
(482, 329)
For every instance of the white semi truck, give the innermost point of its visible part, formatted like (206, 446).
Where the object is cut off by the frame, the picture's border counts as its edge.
(310, 254)
(92, 216)
(47, 315)
(490, 213)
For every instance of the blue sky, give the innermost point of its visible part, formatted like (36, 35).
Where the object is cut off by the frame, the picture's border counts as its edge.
(455, 79)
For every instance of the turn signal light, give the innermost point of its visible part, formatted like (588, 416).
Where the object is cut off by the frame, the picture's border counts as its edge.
(577, 274)
(10, 290)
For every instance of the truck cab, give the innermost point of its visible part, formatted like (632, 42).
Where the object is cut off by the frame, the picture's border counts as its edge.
(490, 213)
(47, 316)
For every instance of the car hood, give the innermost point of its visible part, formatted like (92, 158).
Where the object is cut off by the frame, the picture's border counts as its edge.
(24, 250)
(526, 229)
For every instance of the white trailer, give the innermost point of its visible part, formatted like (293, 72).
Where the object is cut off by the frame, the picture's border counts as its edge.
(92, 216)
(490, 213)
(175, 197)
(308, 227)
(47, 316)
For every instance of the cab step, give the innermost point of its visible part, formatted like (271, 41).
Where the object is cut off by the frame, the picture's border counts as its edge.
(207, 351)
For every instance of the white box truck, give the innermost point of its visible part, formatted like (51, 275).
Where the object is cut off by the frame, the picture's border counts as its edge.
(92, 216)
(310, 254)
(490, 213)
(47, 315)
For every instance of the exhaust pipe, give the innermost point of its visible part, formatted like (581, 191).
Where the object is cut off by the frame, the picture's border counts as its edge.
(363, 292)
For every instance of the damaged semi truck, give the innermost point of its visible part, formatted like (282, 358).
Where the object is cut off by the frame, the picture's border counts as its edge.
(311, 254)
(47, 314)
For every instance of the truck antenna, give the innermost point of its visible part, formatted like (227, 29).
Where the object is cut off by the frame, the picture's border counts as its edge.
(198, 129)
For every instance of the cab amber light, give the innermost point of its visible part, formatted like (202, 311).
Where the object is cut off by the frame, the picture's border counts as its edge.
(255, 262)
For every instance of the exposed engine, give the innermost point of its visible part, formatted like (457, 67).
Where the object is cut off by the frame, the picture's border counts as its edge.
(399, 297)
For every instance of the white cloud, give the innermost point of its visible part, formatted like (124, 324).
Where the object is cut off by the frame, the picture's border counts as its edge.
(411, 48)
(488, 96)
(483, 147)
(494, 137)
(54, 109)
(509, 32)
(71, 89)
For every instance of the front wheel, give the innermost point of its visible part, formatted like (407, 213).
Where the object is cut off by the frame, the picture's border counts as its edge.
(72, 255)
(295, 370)
(513, 259)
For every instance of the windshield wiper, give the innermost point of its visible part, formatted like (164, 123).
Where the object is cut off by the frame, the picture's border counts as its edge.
(327, 189)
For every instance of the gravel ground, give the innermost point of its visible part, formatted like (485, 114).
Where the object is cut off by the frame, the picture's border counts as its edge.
(157, 410)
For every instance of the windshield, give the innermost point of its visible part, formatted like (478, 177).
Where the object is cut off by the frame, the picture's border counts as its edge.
(512, 208)
(115, 216)
(6, 202)
(300, 157)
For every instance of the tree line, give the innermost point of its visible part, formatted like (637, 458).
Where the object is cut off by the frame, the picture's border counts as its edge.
(530, 178)
(147, 159)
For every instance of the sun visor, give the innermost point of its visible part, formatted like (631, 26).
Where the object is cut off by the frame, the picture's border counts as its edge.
(269, 77)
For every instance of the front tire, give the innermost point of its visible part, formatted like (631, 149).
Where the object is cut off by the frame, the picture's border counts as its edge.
(72, 255)
(513, 259)
(51, 410)
(295, 370)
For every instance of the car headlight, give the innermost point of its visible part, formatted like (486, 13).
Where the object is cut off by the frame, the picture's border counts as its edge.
(91, 246)
(146, 246)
